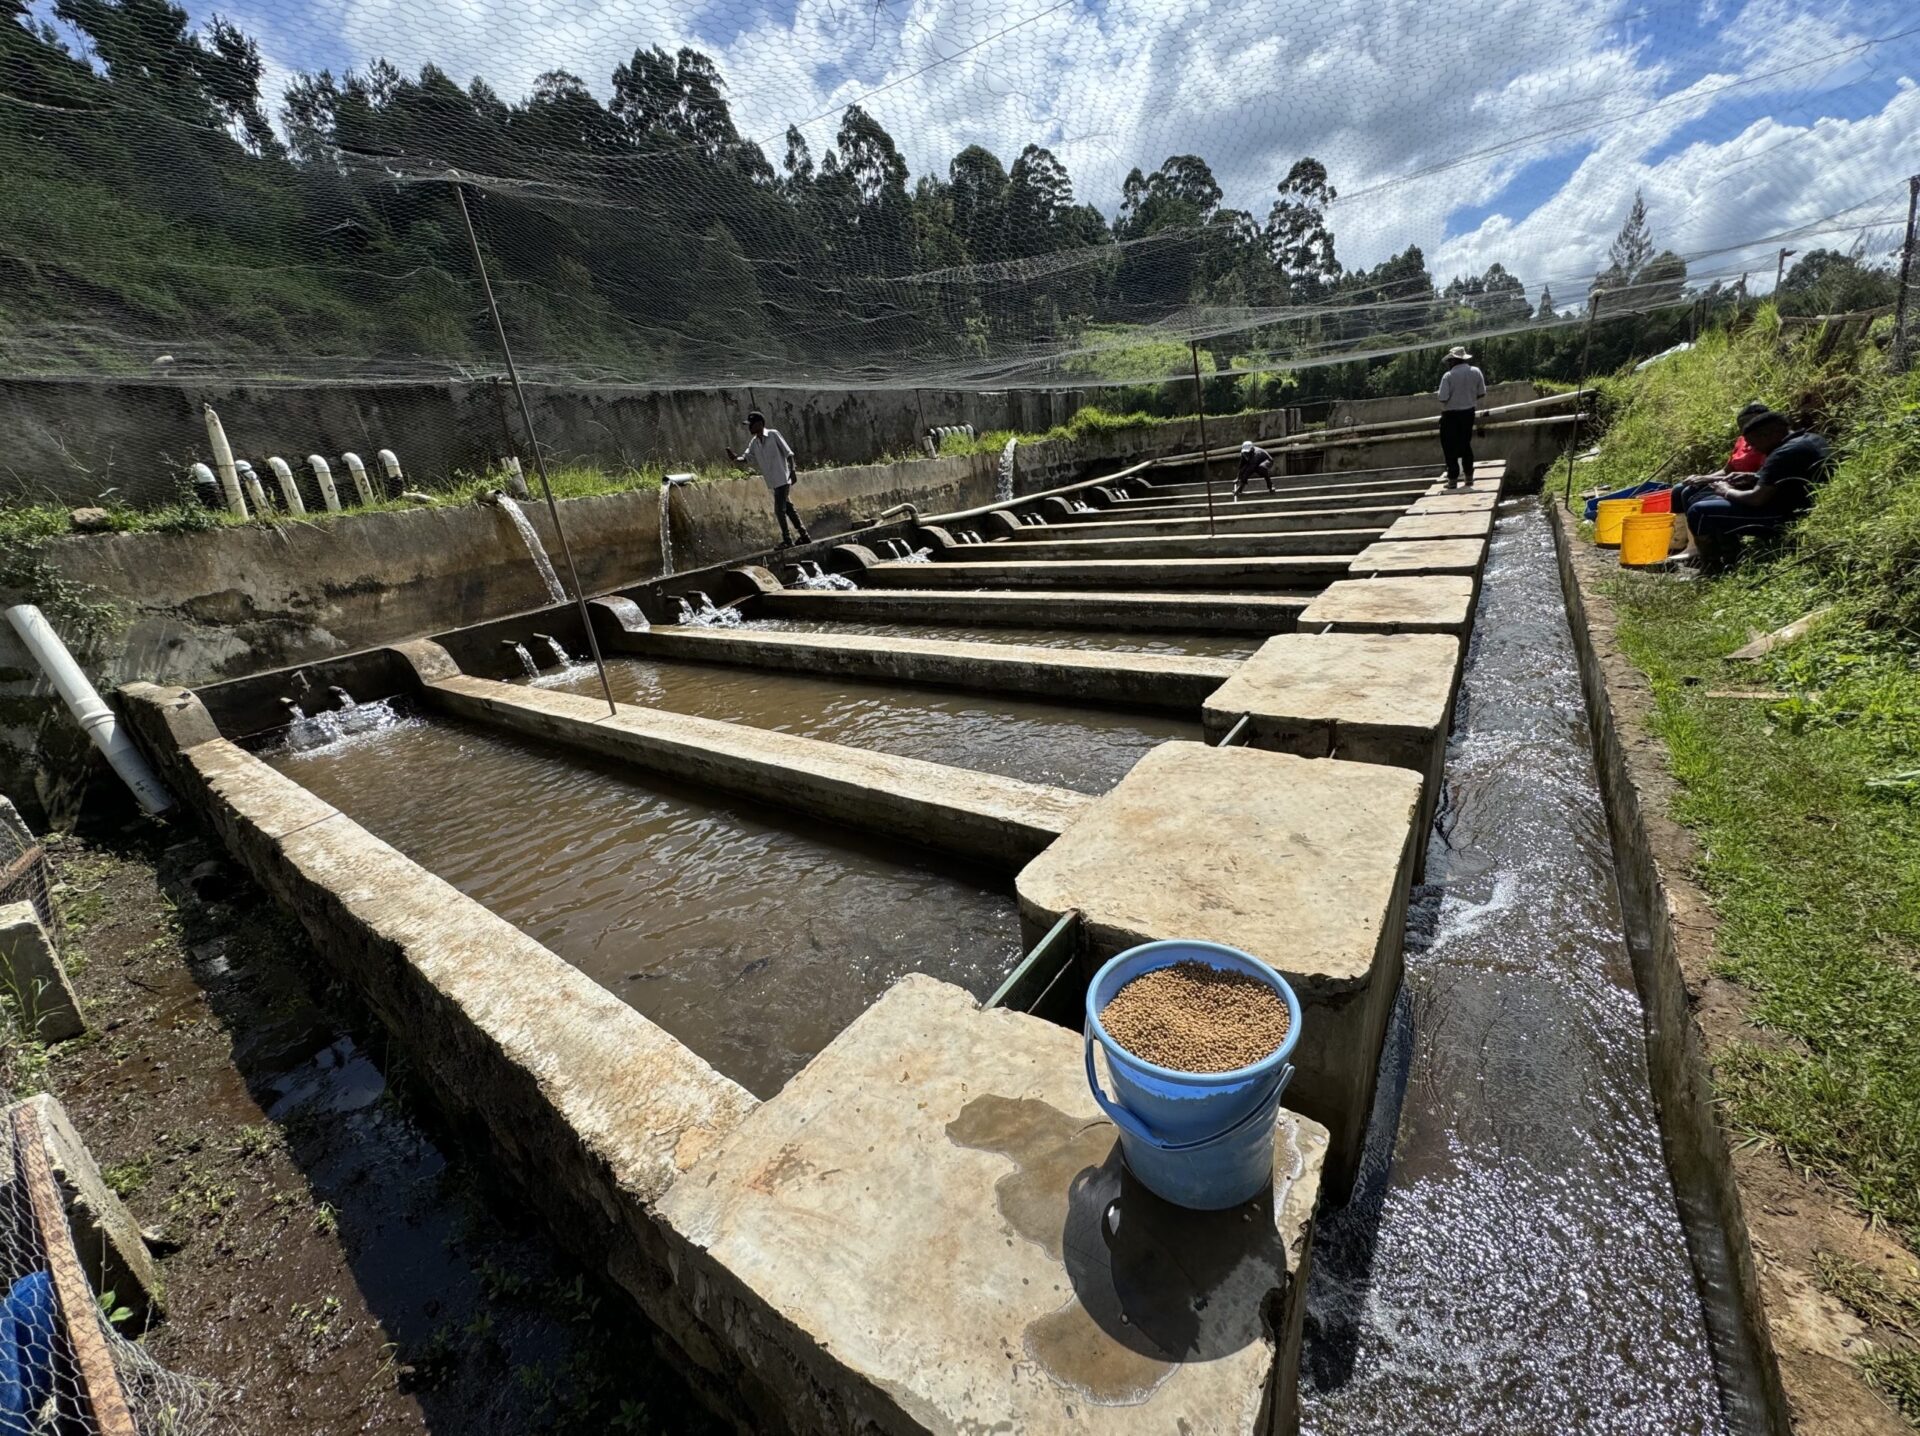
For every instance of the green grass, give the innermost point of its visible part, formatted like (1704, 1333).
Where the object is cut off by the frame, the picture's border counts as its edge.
(1807, 806)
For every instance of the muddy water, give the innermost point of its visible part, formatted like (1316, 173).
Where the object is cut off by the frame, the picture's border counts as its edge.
(1512, 1260)
(1177, 645)
(1087, 749)
(751, 936)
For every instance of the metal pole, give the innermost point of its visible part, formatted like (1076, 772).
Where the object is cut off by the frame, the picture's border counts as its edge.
(1906, 279)
(533, 442)
(1586, 353)
(1200, 407)
(1780, 271)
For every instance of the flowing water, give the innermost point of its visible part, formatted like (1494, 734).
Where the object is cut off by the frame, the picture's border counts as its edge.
(1088, 749)
(751, 935)
(536, 550)
(1512, 1260)
(1178, 645)
(666, 527)
(1003, 481)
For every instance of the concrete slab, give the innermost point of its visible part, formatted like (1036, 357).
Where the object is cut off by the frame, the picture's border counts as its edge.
(1228, 519)
(1289, 574)
(1470, 502)
(1071, 548)
(1254, 502)
(1421, 556)
(33, 978)
(1477, 524)
(1305, 863)
(106, 1238)
(1135, 680)
(1428, 603)
(918, 1234)
(981, 816)
(1139, 612)
(1364, 697)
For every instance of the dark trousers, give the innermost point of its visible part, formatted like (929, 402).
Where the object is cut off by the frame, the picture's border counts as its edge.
(1456, 442)
(783, 509)
(1261, 471)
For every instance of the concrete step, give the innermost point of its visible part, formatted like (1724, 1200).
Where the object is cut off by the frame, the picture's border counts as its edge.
(1201, 545)
(1412, 556)
(1474, 523)
(1138, 612)
(979, 816)
(1304, 574)
(1134, 680)
(1427, 603)
(1317, 486)
(930, 1229)
(1228, 519)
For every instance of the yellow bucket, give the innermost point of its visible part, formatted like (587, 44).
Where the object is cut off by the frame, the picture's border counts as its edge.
(1645, 539)
(1607, 520)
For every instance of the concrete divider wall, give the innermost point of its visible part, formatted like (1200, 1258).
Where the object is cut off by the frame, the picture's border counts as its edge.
(1678, 1065)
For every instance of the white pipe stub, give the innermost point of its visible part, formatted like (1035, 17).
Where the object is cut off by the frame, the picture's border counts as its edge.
(323, 476)
(289, 490)
(87, 706)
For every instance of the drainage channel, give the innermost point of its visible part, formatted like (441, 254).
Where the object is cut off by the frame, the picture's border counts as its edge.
(751, 939)
(1086, 749)
(1189, 645)
(1513, 1260)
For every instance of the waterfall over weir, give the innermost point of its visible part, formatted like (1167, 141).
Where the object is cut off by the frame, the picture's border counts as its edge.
(1003, 485)
(535, 549)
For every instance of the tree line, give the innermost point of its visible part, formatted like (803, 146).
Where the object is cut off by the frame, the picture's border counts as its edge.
(164, 217)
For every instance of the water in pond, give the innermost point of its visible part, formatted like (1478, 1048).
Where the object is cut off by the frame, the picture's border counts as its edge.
(752, 936)
(1187, 645)
(1512, 1260)
(1087, 749)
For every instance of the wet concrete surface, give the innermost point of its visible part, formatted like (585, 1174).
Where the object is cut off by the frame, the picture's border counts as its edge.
(751, 936)
(1086, 749)
(1512, 1260)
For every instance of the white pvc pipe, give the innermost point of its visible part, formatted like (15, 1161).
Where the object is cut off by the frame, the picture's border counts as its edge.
(256, 491)
(87, 706)
(202, 477)
(323, 476)
(223, 464)
(359, 472)
(289, 490)
(390, 461)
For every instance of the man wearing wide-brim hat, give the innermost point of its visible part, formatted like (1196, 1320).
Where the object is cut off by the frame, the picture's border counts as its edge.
(1462, 388)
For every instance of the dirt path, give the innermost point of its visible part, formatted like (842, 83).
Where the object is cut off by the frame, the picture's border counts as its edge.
(336, 1270)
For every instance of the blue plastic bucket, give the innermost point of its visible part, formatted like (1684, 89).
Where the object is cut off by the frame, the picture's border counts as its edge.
(1199, 1139)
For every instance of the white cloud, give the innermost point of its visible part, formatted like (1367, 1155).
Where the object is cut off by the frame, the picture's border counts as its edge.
(1418, 110)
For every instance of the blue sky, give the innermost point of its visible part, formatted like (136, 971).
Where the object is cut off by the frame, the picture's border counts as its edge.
(1510, 130)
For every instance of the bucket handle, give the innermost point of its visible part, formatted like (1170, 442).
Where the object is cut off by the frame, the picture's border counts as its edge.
(1134, 1127)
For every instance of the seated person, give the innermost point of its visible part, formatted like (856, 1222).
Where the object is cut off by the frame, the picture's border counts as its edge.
(1792, 465)
(1745, 459)
(1255, 462)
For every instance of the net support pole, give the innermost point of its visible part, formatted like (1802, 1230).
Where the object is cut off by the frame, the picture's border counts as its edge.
(1901, 349)
(1200, 408)
(1586, 353)
(533, 443)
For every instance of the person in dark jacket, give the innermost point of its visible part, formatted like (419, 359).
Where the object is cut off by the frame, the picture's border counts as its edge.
(1255, 463)
(1461, 389)
(1795, 463)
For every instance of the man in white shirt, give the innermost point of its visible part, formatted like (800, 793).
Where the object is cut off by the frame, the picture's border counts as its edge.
(769, 452)
(1461, 388)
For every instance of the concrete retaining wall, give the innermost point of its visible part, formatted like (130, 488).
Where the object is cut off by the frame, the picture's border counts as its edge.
(1415, 406)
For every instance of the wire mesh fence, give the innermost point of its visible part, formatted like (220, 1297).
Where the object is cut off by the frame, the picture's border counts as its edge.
(935, 196)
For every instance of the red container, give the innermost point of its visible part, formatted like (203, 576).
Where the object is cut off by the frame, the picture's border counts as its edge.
(1658, 502)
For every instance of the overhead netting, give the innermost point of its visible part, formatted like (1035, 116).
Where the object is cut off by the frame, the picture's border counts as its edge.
(960, 193)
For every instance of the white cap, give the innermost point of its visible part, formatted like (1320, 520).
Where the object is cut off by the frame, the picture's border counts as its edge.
(1247, 447)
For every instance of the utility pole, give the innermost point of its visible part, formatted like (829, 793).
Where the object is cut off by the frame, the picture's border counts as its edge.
(1200, 407)
(1906, 278)
(1780, 271)
(1586, 353)
(533, 442)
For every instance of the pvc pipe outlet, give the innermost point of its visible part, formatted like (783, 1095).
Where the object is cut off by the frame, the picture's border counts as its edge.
(390, 464)
(289, 490)
(323, 476)
(256, 491)
(205, 486)
(359, 472)
(86, 705)
(223, 464)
